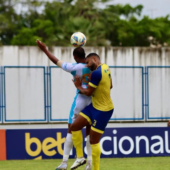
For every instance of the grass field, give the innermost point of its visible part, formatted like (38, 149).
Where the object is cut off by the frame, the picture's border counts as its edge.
(150, 163)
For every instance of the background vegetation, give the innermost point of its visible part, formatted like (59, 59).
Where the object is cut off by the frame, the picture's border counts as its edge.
(23, 21)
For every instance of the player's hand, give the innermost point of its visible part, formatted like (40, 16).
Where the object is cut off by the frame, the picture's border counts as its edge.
(41, 45)
(77, 81)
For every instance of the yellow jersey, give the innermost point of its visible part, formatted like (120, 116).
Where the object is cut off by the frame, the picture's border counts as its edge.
(101, 80)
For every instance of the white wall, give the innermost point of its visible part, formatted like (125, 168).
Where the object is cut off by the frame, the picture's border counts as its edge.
(117, 56)
(129, 82)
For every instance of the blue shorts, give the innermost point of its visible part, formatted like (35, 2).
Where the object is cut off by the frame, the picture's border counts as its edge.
(98, 119)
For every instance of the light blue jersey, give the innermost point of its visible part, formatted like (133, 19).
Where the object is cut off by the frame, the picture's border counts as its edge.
(80, 100)
(78, 69)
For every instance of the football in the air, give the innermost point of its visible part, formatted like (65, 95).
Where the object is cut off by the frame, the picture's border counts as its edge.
(78, 39)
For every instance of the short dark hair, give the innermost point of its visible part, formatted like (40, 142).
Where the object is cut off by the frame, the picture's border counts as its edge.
(79, 52)
(92, 54)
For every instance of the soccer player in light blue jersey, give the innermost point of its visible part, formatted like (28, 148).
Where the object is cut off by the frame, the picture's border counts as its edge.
(79, 103)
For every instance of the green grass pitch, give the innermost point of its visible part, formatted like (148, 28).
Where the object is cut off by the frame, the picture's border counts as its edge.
(150, 163)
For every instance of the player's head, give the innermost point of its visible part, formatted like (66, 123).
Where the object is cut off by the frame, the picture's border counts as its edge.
(92, 61)
(79, 55)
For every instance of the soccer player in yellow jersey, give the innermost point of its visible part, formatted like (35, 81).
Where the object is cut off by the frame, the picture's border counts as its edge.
(96, 114)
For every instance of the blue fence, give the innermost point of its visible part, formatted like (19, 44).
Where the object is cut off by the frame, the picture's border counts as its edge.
(5, 93)
(1, 93)
(147, 96)
(51, 119)
(161, 74)
(142, 74)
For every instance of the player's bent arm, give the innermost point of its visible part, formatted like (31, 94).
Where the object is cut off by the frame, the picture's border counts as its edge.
(88, 92)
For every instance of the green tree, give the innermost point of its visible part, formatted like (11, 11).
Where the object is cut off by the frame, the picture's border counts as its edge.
(54, 23)
(8, 21)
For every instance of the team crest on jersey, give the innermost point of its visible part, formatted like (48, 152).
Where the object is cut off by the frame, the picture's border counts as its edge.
(106, 70)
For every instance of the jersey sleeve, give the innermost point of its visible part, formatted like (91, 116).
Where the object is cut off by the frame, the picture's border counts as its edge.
(95, 78)
(69, 67)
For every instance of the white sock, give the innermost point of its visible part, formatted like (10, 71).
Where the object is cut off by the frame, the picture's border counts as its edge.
(88, 147)
(67, 147)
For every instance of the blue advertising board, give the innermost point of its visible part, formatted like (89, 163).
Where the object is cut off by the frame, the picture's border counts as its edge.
(115, 142)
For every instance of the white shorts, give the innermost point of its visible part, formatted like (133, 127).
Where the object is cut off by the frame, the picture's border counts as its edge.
(79, 103)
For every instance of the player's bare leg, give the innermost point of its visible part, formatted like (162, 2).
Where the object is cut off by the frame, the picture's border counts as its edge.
(77, 137)
(67, 148)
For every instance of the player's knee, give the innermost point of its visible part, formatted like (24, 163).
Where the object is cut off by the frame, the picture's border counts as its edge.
(72, 127)
(93, 140)
(75, 127)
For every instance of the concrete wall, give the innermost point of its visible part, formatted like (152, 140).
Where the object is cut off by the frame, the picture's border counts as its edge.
(32, 92)
(118, 56)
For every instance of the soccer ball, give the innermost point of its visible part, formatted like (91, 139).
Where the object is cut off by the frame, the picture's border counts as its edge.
(78, 39)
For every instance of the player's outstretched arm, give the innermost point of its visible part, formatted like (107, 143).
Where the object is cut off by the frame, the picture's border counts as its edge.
(54, 59)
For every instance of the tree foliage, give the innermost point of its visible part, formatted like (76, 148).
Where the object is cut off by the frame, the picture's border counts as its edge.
(55, 21)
